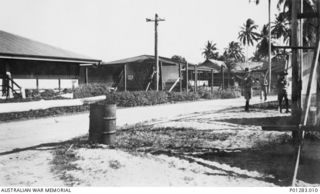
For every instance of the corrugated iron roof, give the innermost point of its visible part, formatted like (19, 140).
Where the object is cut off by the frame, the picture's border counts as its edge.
(253, 66)
(139, 59)
(18, 47)
(277, 66)
(213, 64)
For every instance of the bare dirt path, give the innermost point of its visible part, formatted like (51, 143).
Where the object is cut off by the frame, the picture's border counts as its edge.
(22, 134)
(209, 144)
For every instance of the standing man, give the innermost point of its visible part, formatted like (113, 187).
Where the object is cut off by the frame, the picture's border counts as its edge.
(247, 88)
(263, 86)
(282, 86)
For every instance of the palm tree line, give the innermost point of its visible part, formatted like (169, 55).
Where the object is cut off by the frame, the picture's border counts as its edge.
(249, 36)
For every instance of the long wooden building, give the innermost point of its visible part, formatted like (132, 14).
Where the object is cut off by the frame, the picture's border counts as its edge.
(133, 74)
(23, 58)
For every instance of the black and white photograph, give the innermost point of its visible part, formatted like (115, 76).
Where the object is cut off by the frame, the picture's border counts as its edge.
(159, 93)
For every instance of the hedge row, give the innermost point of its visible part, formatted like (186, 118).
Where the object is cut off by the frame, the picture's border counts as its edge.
(125, 99)
(89, 90)
(36, 95)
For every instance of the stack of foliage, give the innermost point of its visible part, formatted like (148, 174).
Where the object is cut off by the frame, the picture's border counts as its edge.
(137, 98)
(32, 93)
(182, 96)
(89, 90)
(220, 94)
(47, 94)
(230, 93)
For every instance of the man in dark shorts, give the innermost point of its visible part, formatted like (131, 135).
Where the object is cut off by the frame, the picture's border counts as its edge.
(247, 88)
(263, 86)
(282, 86)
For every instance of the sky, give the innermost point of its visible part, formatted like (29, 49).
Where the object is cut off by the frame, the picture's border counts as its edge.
(117, 29)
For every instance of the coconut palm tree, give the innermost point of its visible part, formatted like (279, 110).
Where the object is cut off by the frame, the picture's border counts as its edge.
(209, 51)
(309, 26)
(248, 34)
(281, 28)
(232, 55)
(234, 51)
(263, 45)
(256, 56)
(179, 59)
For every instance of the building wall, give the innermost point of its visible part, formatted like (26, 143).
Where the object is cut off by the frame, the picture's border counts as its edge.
(27, 69)
(138, 76)
(26, 72)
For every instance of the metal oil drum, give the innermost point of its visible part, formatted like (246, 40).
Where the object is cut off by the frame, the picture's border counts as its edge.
(109, 120)
(96, 124)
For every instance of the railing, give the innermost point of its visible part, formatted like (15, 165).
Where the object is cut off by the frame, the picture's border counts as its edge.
(150, 81)
(5, 88)
(118, 81)
(174, 85)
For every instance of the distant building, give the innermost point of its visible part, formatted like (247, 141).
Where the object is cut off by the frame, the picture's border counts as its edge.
(133, 74)
(22, 58)
(215, 68)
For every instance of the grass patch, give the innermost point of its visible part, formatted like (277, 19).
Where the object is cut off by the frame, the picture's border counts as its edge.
(181, 140)
(62, 163)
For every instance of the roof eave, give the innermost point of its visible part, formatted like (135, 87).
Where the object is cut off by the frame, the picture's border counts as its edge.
(48, 58)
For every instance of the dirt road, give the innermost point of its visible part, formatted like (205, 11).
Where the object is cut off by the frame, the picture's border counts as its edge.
(22, 134)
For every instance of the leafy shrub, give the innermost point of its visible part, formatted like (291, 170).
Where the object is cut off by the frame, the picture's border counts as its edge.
(230, 93)
(137, 98)
(67, 90)
(48, 93)
(183, 96)
(89, 90)
(211, 95)
(32, 93)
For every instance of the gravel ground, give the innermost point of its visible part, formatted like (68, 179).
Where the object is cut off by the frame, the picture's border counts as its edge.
(212, 147)
(28, 168)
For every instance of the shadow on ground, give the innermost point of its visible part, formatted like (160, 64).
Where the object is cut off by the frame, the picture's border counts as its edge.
(276, 120)
(277, 161)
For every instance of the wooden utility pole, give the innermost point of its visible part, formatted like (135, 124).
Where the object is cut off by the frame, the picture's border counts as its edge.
(269, 46)
(301, 55)
(160, 75)
(195, 78)
(318, 74)
(37, 83)
(296, 89)
(300, 51)
(59, 84)
(211, 80)
(125, 76)
(156, 20)
(187, 77)
(222, 72)
(86, 76)
(180, 77)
